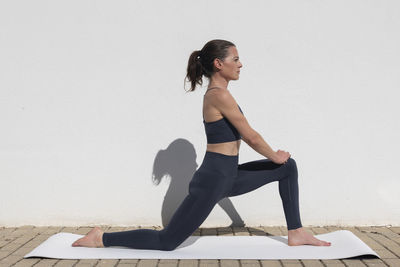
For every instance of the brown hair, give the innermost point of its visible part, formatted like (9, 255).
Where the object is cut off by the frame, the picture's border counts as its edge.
(201, 62)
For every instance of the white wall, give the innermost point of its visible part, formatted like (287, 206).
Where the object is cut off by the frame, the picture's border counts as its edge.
(90, 91)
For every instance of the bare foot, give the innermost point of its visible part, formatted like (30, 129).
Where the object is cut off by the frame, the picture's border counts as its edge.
(94, 239)
(300, 236)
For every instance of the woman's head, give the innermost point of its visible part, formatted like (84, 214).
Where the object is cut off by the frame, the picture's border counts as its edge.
(216, 56)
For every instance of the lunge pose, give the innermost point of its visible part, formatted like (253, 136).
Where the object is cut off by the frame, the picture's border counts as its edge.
(219, 175)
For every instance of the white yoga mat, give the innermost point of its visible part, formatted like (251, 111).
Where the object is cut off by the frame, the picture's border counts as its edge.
(344, 245)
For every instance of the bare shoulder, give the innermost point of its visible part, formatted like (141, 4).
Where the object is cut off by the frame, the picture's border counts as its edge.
(221, 97)
(225, 104)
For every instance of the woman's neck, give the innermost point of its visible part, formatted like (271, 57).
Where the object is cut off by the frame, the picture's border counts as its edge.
(218, 81)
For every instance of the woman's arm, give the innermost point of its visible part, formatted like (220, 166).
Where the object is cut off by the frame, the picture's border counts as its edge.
(260, 145)
(226, 104)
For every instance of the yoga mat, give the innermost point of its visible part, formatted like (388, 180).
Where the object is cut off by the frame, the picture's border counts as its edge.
(344, 245)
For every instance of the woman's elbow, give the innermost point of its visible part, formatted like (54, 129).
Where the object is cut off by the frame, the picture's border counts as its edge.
(251, 139)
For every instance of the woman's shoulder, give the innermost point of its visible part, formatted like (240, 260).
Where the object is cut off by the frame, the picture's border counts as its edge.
(220, 100)
(218, 93)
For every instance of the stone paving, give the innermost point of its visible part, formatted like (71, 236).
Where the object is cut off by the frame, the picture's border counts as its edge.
(15, 242)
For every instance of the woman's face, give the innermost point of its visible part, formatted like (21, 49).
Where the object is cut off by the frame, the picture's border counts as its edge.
(230, 67)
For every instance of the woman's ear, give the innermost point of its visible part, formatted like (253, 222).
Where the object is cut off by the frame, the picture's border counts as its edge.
(217, 64)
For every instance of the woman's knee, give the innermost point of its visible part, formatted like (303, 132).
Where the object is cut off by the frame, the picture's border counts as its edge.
(170, 246)
(292, 161)
(292, 164)
(168, 242)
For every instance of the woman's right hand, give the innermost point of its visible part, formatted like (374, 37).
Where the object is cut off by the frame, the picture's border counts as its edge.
(281, 157)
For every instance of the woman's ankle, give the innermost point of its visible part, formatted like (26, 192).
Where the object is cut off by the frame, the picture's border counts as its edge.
(296, 230)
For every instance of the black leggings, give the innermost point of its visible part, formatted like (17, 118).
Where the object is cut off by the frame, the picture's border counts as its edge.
(219, 176)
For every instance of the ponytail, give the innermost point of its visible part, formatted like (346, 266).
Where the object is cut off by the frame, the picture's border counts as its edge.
(195, 70)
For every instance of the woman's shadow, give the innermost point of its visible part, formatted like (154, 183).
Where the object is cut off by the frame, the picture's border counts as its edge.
(178, 163)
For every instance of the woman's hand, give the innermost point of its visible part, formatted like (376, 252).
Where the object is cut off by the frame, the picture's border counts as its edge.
(281, 157)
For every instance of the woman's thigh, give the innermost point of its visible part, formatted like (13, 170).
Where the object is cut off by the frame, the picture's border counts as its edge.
(254, 174)
(205, 190)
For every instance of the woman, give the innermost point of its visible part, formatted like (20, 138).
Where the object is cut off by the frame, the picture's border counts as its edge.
(219, 175)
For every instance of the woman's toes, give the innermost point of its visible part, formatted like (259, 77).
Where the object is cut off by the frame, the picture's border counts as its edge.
(92, 239)
(327, 243)
(77, 243)
(323, 243)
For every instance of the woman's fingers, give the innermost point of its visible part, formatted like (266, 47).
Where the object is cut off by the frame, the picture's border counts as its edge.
(283, 152)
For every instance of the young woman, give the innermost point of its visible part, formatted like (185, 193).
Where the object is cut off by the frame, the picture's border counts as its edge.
(219, 175)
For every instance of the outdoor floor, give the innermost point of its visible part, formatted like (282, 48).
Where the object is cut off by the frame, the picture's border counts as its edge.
(15, 242)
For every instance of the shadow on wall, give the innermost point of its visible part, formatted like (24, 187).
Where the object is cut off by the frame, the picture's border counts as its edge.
(178, 162)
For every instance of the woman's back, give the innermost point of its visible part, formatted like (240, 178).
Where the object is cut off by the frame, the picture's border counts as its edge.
(222, 136)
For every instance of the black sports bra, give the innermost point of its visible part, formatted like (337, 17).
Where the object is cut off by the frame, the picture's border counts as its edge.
(221, 131)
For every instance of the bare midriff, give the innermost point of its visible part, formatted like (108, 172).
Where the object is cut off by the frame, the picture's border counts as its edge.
(227, 148)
